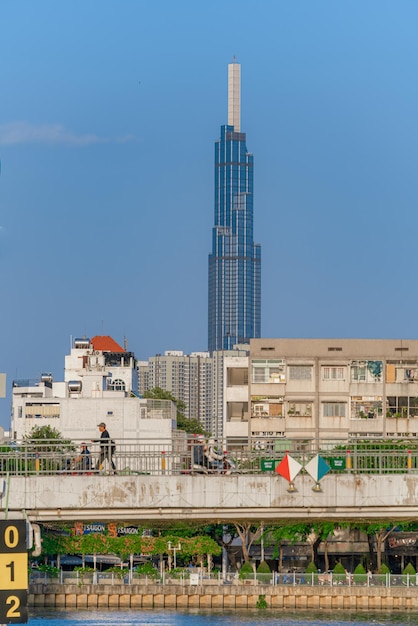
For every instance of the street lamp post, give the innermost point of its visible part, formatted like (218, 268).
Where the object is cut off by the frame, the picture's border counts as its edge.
(174, 550)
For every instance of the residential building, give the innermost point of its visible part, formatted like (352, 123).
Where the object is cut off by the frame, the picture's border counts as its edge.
(100, 384)
(235, 400)
(187, 377)
(199, 380)
(333, 389)
(234, 298)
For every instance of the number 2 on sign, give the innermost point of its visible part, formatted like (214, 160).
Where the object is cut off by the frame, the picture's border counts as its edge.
(13, 611)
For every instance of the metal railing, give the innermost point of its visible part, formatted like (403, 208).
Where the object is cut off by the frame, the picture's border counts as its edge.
(186, 456)
(188, 578)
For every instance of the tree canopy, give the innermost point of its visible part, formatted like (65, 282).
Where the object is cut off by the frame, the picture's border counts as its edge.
(190, 425)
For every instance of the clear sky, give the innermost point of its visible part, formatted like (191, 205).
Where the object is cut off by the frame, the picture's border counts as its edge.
(108, 115)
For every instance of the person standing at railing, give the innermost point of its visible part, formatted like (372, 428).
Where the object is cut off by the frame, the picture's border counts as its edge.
(200, 448)
(107, 448)
(83, 461)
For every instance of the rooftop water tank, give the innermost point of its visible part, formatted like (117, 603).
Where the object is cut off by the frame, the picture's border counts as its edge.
(82, 344)
(75, 386)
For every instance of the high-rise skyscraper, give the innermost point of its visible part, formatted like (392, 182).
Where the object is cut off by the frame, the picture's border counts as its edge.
(235, 261)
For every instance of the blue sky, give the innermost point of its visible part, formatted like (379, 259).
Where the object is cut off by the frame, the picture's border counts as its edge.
(108, 116)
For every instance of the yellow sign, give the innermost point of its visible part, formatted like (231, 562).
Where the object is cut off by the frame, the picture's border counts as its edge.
(14, 571)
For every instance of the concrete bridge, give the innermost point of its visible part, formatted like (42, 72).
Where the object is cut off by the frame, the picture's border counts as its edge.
(218, 498)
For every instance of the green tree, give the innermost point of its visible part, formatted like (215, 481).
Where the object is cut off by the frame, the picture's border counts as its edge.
(49, 438)
(248, 533)
(377, 533)
(191, 426)
(312, 533)
(46, 449)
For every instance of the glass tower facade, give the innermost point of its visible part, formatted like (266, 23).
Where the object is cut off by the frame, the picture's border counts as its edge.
(235, 262)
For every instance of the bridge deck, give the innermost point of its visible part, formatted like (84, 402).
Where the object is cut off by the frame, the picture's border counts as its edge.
(216, 498)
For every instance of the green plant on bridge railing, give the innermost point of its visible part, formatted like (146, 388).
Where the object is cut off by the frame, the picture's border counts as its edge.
(382, 457)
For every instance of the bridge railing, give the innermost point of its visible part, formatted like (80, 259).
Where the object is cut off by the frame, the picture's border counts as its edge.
(183, 455)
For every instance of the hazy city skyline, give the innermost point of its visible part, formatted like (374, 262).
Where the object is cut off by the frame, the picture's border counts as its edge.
(107, 123)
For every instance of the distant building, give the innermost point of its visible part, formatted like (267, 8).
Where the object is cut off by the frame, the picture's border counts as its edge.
(234, 298)
(315, 390)
(100, 384)
(197, 379)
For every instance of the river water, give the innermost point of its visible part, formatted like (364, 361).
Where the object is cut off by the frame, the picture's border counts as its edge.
(157, 617)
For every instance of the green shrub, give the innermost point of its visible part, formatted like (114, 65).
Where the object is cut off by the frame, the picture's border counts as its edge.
(84, 570)
(147, 569)
(383, 569)
(264, 573)
(409, 569)
(359, 575)
(263, 568)
(48, 569)
(261, 603)
(311, 568)
(246, 571)
(338, 572)
(339, 568)
(118, 571)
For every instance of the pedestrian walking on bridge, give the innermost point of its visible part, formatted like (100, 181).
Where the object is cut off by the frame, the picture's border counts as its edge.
(107, 448)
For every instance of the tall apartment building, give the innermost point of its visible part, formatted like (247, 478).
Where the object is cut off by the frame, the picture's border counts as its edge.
(333, 389)
(197, 379)
(188, 377)
(234, 298)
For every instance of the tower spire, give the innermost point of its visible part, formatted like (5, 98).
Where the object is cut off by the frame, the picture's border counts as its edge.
(234, 95)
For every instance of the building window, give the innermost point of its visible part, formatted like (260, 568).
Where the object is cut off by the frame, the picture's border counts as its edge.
(333, 373)
(333, 409)
(300, 409)
(266, 406)
(268, 371)
(116, 385)
(366, 371)
(366, 407)
(411, 375)
(401, 406)
(300, 372)
(358, 373)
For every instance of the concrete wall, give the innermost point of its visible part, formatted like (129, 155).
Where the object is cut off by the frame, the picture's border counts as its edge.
(220, 596)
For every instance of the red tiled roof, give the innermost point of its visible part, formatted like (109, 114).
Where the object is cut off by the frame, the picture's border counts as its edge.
(106, 344)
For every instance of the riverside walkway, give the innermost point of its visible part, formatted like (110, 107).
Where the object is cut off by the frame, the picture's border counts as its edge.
(155, 482)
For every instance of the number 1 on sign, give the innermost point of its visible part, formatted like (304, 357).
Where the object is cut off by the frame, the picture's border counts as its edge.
(12, 571)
